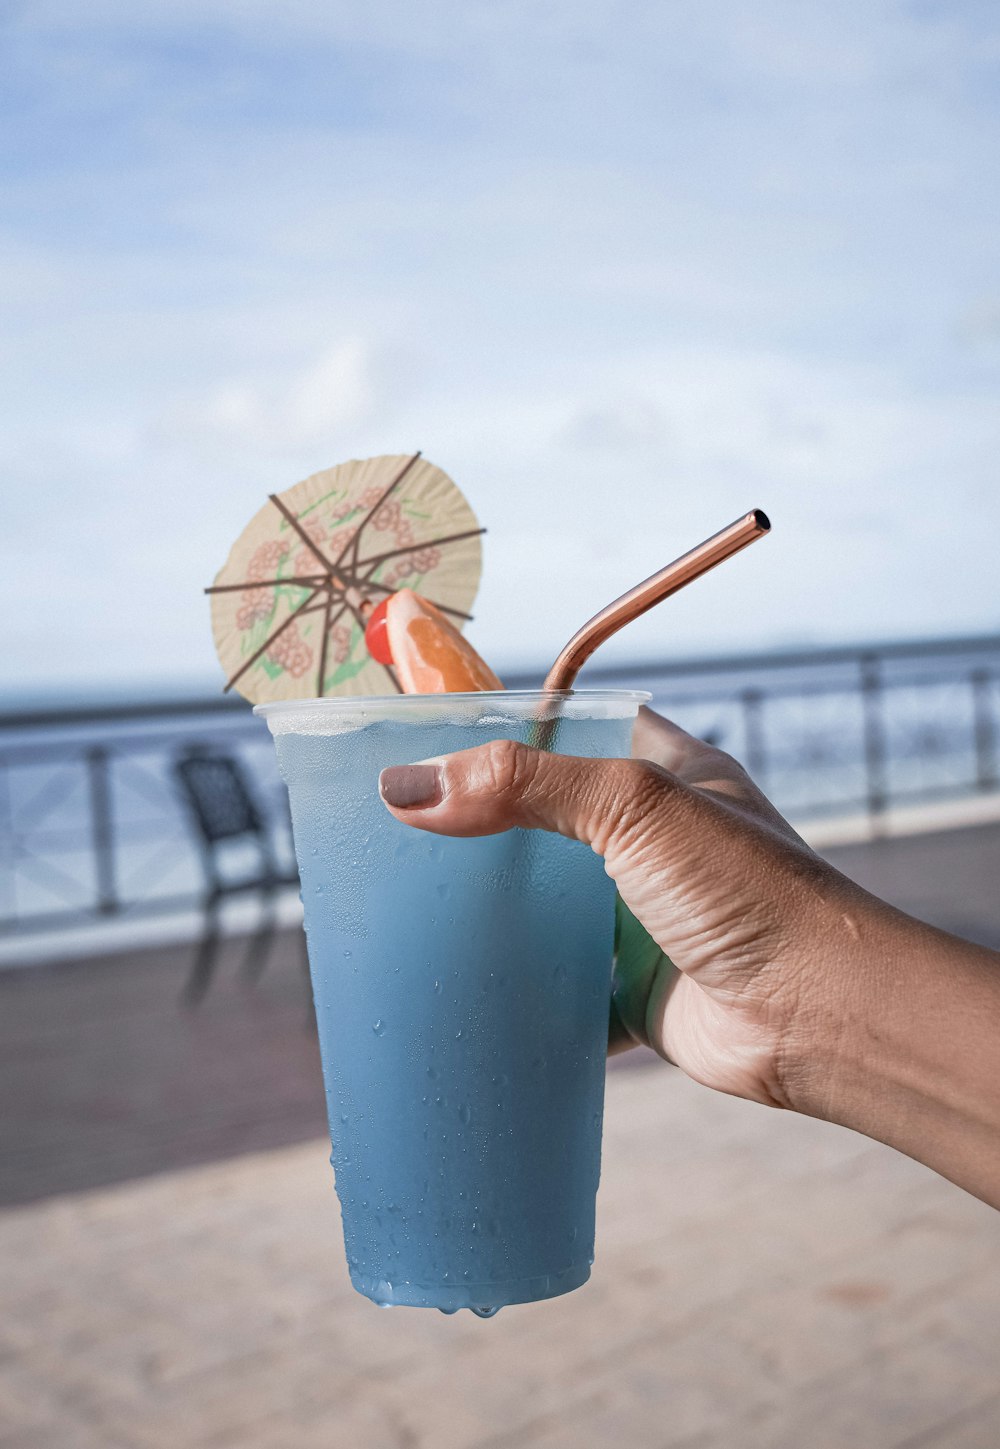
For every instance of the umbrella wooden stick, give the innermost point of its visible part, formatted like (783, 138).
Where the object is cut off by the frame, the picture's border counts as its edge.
(651, 591)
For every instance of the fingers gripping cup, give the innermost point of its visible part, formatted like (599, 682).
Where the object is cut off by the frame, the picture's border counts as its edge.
(462, 991)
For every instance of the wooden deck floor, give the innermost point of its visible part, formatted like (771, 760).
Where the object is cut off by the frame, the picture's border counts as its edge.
(762, 1281)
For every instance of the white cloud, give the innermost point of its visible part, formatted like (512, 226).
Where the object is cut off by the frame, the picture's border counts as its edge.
(337, 392)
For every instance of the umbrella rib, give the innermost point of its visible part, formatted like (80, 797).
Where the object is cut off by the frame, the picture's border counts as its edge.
(305, 579)
(328, 624)
(336, 618)
(290, 516)
(445, 608)
(424, 543)
(354, 544)
(268, 642)
(392, 675)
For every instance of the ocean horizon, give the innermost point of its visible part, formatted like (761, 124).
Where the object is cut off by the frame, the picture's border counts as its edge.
(202, 686)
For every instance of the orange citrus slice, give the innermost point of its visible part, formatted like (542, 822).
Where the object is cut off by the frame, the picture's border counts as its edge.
(429, 654)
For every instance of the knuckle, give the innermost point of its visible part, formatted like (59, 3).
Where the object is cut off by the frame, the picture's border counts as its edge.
(739, 772)
(713, 757)
(508, 767)
(640, 791)
(725, 760)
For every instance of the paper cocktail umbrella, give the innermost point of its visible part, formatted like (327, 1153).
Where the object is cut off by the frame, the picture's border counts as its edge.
(289, 606)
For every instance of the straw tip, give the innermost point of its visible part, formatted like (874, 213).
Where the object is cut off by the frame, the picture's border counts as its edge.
(761, 519)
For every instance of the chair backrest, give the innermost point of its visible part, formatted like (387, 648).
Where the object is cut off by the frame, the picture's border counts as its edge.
(217, 791)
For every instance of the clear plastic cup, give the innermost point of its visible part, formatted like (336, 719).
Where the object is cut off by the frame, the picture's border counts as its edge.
(462, 992)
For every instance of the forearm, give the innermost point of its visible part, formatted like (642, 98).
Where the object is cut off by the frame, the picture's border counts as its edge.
(902, 1042)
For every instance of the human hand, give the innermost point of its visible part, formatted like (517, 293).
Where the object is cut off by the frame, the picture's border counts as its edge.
(793, 986)
(719, 880)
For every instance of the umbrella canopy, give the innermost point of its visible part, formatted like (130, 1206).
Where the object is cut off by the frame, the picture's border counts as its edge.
(290, 604)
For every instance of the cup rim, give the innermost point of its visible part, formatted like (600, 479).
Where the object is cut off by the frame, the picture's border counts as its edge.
(406, 703)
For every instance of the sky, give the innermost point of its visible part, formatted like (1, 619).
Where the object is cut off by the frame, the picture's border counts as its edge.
(623, 270)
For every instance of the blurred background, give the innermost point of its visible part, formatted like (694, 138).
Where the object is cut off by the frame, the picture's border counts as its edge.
(624, 273)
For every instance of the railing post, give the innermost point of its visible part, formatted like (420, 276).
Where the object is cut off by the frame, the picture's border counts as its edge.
(102, 828)
(984, 731)
(752, 701)
(874, 735)
(8, 850)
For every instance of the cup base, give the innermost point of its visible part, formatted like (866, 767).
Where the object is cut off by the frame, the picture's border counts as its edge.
(451, 1297)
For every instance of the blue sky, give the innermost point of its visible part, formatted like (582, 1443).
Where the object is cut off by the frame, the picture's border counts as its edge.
(624, 271)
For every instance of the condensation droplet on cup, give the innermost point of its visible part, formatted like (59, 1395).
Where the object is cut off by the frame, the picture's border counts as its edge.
(378, 1027)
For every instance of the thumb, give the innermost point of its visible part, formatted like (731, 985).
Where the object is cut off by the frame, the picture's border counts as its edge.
(607, 804)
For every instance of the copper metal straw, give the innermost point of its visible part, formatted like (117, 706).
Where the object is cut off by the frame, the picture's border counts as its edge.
(644, 596)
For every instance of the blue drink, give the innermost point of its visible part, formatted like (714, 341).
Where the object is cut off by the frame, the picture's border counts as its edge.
(462, 991)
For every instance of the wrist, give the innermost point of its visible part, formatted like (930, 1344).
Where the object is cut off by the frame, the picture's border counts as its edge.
(896, 1036)
(831, 1043)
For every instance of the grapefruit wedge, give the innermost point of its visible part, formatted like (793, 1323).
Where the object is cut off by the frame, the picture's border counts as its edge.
(429, 654)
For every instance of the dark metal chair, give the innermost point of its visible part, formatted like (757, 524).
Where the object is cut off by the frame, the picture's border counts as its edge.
(223, 811)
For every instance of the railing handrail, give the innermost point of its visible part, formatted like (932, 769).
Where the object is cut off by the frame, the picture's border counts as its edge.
(790, 658)
(124, 744)
(111, 713)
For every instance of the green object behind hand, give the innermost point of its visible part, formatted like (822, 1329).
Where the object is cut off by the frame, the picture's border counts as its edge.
(638, 961)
